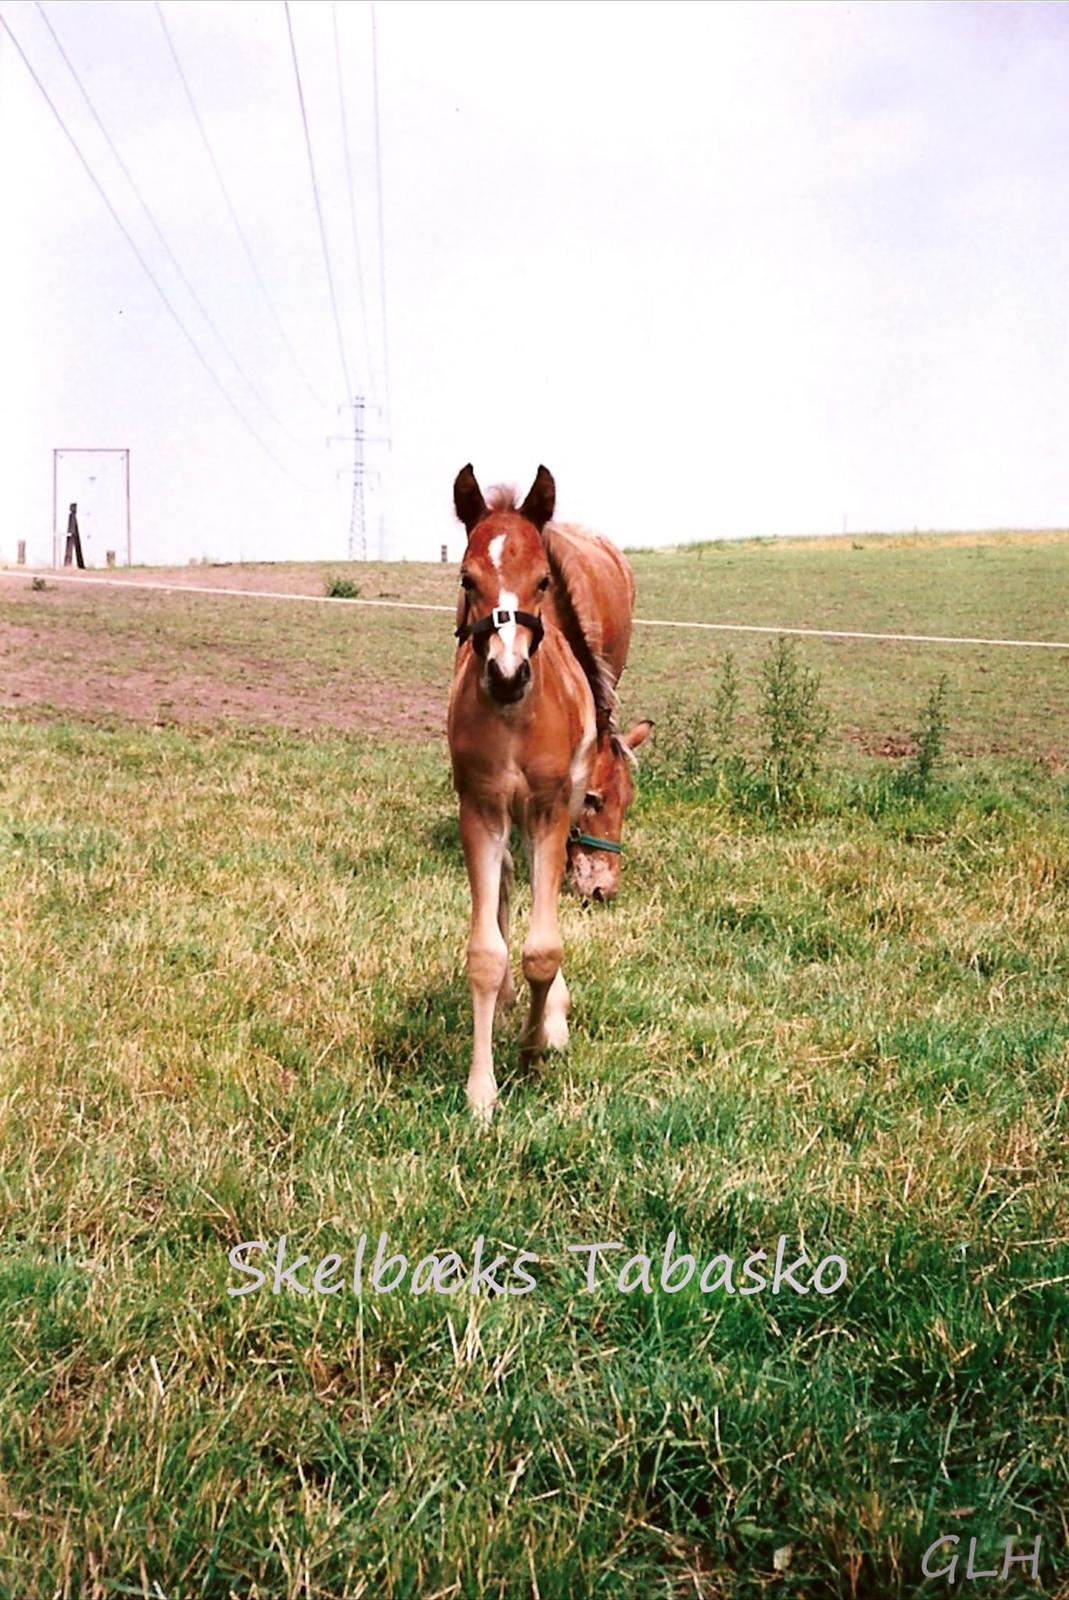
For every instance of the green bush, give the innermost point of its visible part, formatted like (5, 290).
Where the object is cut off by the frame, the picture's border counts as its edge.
(342, 589)
(699, 749)
(794, 722)
(931, 742)
(701, 753)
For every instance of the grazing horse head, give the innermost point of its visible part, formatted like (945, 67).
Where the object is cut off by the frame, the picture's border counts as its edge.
(503, 581)
(594, 847)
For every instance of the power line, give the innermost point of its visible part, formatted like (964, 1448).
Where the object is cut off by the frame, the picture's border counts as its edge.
(352, 197)
(318, 205)
(143, 203)
(382, 238)
(120, 224)
(239, 230)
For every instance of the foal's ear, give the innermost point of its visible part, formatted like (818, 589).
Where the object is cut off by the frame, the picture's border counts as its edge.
(538, 507)
(468, 497)
(638, 734)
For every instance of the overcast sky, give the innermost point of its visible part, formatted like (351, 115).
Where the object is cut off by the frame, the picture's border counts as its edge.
(726, 269)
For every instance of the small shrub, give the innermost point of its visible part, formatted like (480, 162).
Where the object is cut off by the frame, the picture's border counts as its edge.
(931, 742)
(795, 724)
(696, 756)
(342, 589)
(698, 747)
(725, 715)
(702, 751)
(38, 584)
(681, 753)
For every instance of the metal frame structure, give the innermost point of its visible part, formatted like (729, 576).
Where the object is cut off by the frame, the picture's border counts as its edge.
(88, 450)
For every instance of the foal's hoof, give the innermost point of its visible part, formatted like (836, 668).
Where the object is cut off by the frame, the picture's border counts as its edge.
(532, 1050)
(481, 1107)
(552, 1035)
(556, 1029)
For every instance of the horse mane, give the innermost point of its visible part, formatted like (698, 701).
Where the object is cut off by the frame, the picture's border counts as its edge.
(621, 748)
(581, 626)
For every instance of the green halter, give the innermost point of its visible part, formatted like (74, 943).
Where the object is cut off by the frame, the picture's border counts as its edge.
(575, 837)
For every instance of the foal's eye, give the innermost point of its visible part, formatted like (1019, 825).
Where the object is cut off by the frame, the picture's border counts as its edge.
(543, 586)
(592, 800)
(466, 583)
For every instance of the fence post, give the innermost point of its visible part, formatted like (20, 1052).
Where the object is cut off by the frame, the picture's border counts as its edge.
(74, 539)
(20, 559)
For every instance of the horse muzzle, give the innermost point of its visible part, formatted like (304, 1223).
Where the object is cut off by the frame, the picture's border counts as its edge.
(593, 866)
(507, 687)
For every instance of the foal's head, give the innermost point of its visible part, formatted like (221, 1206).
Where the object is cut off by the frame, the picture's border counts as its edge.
(504, 570)
(593, 870)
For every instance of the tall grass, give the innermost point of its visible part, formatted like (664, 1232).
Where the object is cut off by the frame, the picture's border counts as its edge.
(233, 1006)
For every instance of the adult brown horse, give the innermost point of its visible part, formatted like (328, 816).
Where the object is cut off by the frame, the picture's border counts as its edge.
(525, 711)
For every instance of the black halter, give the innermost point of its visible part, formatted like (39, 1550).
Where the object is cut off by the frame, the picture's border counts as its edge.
(497, 619)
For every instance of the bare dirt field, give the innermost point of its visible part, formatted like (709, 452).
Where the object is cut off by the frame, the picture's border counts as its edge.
(150, 656)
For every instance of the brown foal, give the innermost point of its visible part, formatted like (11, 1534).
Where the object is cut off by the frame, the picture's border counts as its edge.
(523, 727)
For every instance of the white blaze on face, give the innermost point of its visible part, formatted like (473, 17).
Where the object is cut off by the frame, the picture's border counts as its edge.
(508, 657)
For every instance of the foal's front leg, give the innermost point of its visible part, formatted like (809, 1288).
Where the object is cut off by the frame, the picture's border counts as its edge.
(547, 1022)
(506, 995)
(484, 840)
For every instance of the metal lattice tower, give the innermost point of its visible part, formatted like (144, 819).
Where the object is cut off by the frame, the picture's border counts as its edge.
(357, 519)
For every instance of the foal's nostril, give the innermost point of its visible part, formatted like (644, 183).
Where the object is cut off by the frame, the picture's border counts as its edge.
(523, 672)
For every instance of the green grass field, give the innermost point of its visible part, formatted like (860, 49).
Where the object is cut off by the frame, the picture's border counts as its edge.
(233, 1006)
